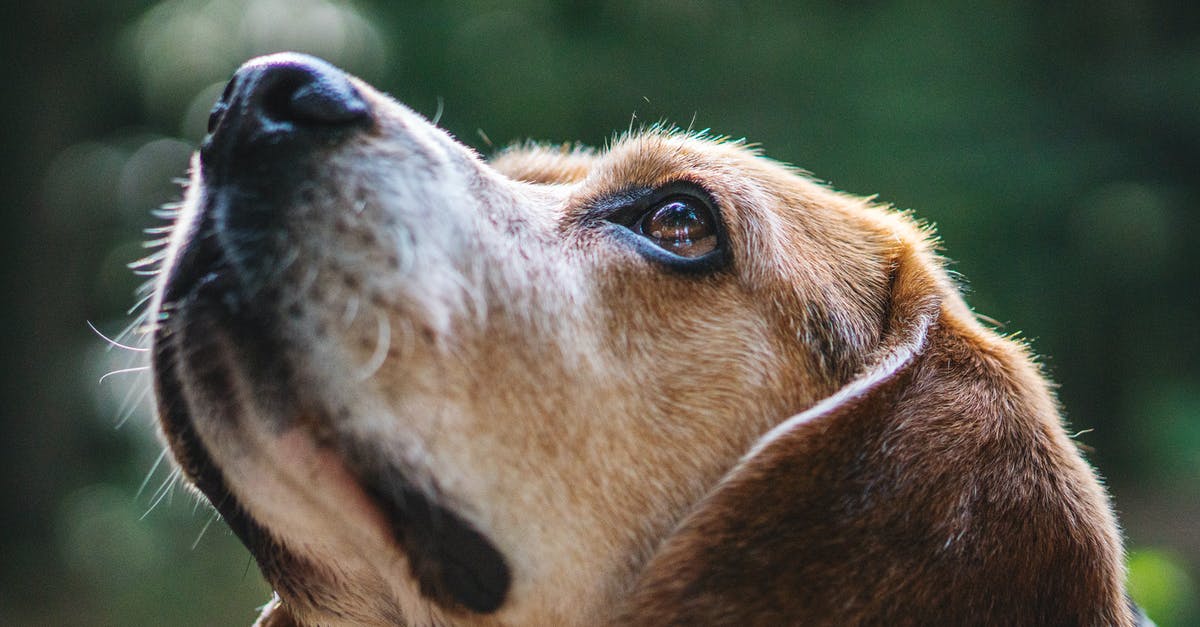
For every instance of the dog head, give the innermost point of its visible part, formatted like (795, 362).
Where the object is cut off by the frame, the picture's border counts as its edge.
(672, 381)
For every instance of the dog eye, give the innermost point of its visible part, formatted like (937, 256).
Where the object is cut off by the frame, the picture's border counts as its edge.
(677, 225)
(680, 225)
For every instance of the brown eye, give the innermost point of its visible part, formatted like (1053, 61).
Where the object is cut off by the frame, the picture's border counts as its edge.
(683, 226)
(677, 226)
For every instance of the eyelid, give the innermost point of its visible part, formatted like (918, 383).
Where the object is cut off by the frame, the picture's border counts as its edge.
(626, 207)
(614, 207)
(623, 210)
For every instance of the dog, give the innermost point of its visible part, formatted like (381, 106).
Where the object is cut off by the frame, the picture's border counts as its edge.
(672, 382)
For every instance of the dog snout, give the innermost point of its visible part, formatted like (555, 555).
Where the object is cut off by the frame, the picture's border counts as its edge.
(283, 102)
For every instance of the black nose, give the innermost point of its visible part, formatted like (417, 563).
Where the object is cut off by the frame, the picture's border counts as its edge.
(284, 98)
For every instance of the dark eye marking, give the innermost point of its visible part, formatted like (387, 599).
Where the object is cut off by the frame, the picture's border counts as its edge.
(678, 225)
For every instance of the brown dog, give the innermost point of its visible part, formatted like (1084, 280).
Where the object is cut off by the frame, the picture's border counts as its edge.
(669, 383)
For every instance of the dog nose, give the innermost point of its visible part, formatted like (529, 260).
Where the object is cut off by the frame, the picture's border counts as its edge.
(283, 98)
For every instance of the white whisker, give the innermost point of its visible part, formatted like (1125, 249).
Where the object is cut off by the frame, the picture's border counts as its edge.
(149, 261)
(141, 301)
(150, 475)
(441, 108)
(132, 327)
(163, 490)
(128, 408)
(128, 403)
(123, 371)
(204, 529)
(382, 345)
(112, 342)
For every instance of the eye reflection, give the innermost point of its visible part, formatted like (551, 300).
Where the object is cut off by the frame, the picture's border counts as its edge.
(683, 226)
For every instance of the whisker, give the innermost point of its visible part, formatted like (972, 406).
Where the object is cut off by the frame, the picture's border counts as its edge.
(205, 529)
(112, 342)
(153, 259)
(441, 108)
(163, 490)
(129, 402)
(141, 301)
(123, 371)
(130, 328)
(127, 411)
(149, 475)
(382, 344)
(147, 287)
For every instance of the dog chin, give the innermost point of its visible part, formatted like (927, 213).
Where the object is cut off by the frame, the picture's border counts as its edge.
(327, 506)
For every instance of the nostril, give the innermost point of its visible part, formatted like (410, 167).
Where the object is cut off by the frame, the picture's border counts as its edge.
(309, 95)
(290, 102)
(222, 105)
(324, 103)
(286, 94)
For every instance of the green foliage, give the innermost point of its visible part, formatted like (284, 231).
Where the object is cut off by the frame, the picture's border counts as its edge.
(1163, 587)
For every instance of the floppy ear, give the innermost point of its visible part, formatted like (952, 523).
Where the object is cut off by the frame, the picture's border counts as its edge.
(938, 487)
(543, 163)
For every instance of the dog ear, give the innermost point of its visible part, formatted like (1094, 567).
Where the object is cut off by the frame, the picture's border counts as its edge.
(937, 487)
(541, 163)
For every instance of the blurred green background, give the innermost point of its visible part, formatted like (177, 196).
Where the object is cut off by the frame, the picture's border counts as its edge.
(1056, 145)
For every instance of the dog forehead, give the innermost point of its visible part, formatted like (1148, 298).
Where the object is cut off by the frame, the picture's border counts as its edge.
(653, 159)
(644, 159)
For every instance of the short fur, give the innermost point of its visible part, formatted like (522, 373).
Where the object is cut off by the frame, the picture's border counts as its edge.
(819, 433)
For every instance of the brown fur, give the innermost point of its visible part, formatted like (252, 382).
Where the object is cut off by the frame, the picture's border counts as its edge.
(613, 428)
(946, 495)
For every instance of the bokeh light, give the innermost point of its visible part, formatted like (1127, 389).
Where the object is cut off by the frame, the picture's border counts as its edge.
(181, 46)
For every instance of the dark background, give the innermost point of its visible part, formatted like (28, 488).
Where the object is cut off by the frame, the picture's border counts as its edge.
(1056, 145)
